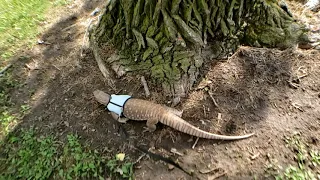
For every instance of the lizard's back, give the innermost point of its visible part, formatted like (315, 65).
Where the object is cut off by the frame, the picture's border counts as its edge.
(138, 109)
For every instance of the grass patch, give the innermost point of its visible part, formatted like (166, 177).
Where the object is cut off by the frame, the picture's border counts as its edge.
(19, 22)
(76, 161)
(7, 119)
(308, 161)
(29, 157)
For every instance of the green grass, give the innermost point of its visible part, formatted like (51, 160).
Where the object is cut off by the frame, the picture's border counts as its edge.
(308, 161)
(30, 157)
(19, 23)
(19, 20)
(7, 119)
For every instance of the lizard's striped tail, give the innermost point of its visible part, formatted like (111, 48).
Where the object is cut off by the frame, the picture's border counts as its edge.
(181, 125)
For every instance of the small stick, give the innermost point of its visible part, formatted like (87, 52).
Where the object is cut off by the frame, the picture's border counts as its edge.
(144, 83)
(291, 83)
(195, 143)
(214, 101)
(175, 151)
(5, 68)
(219, 118)
(138, 160)
(217, 176)
(101, 64)
(69, 27)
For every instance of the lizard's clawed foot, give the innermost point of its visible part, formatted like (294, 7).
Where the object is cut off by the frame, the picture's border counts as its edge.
(148, 129)
(123, 120)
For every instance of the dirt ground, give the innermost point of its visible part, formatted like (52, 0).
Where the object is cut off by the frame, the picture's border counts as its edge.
(273, 93)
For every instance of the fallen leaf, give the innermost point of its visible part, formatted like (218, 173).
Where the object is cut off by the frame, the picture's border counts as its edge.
(120, 156)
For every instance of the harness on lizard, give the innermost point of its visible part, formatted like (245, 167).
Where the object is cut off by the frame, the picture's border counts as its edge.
(116, 103)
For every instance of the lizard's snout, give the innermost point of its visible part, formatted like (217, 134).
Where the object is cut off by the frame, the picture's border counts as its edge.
(101, 97)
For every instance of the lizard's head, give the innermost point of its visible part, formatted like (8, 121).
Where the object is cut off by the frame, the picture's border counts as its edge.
(101, 97)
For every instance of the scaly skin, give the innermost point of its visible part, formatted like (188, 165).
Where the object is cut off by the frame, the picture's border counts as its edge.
(138, 109)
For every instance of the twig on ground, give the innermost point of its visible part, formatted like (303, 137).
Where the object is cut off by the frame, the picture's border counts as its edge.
(304, 73)
(214, 101)
(297, 106)
(101, 64)
(209, 170)
(56, 67)
(138, 160)
(294, 81)
(69, 27)
(5, 68)
(219, 116)
(216, 176)
(253, 157)
(145, 86)
(195, 143)
(292, 84)
(175, 151)
(219, 119)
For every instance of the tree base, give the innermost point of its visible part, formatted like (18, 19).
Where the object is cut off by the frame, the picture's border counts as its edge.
(169, 41)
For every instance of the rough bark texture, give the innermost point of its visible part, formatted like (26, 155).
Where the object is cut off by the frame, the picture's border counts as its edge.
(170, 40)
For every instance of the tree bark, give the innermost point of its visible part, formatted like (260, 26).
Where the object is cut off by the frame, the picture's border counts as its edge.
(171, 40)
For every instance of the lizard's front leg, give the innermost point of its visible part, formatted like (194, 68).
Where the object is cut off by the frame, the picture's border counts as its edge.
(118, 118)
(151, 125)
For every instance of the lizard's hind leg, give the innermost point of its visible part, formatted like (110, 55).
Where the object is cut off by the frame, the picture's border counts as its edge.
(174, 111)
(151, 125)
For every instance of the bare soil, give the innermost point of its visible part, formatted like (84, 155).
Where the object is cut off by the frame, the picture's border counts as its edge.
(273, 93)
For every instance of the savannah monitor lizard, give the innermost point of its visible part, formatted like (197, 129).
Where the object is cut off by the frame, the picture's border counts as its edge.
(138, 109)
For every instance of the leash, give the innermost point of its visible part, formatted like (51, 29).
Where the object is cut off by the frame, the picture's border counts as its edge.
(151, 154)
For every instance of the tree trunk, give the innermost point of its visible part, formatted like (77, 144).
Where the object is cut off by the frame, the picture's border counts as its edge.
(170, 40)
